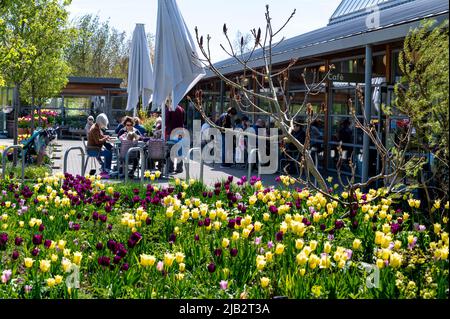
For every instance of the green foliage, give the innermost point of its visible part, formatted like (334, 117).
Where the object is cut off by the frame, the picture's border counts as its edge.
(32, 36)
(31, 172)
(99, 50)
(423, 92)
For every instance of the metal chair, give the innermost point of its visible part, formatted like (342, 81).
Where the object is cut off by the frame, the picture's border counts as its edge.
(93, 155)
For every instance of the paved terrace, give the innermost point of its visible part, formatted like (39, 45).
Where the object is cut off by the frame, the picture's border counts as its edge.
(212, 173)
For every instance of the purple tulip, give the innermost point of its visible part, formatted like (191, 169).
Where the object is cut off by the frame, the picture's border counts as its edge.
(172, 238)
(76, 227)
(104, 261)
(233, 252)
(122, 252)
(15, 255)
(47, 243)
(111, 244)
(231, 223)
(279, 236)
(41, 228)
(148, 221)
(117, 259)
(218, 252)
(207, 222)
(196, 237)
(35, 251)
(339, 224)
(3, 240)
(211, 267)
(125, 267)
(37, 239)
(95, 216)
(103, 218)
(131, 243)
(18, 241)
(136, 236)
(99, 246)
(395, 228)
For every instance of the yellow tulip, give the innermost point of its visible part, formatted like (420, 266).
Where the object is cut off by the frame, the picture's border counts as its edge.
(44, 265)
(147, 260)
(279, 249)
(265, 282)
(168, 259)
(77, 258)
(179, 257)
(51, 282)
(28, 262)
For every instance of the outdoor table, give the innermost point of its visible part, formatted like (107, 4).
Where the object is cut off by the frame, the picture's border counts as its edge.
(117, 142)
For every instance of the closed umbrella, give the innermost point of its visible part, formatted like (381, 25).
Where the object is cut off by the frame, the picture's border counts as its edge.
(176, 68)
(140, 71)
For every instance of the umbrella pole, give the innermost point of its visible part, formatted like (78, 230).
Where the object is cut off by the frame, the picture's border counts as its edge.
(163, 136)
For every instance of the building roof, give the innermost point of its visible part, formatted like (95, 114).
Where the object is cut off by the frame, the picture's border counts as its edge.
(350, 9)
(394, 24)
(93, 80)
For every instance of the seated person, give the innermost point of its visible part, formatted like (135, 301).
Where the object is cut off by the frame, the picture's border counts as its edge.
(97, 141)
(129, 139)
(90, 122)
(119, 126)
(128, 126)
(139, 127)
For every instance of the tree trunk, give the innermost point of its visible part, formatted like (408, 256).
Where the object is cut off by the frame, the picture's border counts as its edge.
(16, 119)
(32, 113)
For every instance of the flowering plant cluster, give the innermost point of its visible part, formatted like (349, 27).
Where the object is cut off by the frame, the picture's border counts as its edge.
(77, 237)
(48, 118)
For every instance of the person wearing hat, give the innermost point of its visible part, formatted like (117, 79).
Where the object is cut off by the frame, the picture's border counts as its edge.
(89, 123)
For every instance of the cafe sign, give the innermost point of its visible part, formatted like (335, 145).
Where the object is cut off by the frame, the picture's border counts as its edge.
(346, 77)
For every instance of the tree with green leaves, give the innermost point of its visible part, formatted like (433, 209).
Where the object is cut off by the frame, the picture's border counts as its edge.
(33, 30)
(99, 50)
(422, 95)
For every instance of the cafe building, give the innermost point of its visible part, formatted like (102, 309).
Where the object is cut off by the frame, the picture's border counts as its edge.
(357, 32)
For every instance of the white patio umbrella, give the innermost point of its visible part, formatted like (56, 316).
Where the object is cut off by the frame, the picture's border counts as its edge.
(176, 69)
(140, 71)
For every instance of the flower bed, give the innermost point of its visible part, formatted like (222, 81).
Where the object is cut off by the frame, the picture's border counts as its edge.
(76, 237)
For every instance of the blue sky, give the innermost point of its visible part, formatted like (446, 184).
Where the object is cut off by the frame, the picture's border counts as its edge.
(210, 15)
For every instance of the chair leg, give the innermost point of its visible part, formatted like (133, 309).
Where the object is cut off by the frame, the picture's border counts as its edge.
(86, 162)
